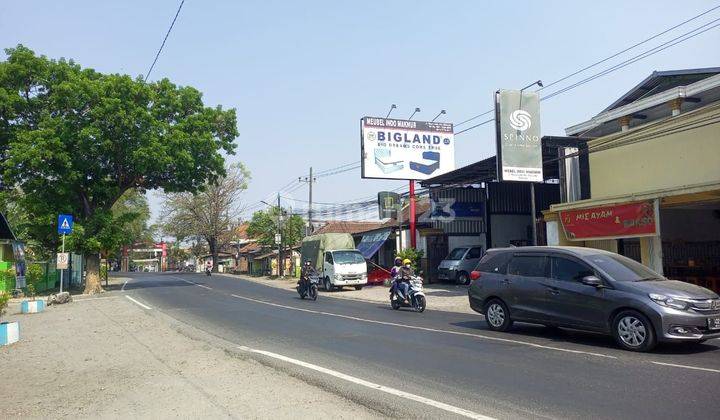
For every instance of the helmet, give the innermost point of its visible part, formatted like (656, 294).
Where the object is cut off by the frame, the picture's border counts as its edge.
(398, 261)
(406, 261)
(307, 262)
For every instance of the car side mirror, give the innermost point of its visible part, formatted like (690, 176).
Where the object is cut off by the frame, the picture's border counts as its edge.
(474, 275)
(593, 281)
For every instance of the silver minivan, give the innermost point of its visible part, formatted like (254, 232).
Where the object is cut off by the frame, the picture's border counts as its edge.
(459, 263)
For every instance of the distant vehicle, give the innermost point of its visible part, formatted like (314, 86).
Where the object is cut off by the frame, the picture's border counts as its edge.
(335, 258)
(456, 267)
(308, 288)
(594, 290)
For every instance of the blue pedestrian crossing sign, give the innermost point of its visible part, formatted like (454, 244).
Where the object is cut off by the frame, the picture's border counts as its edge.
(65, 224)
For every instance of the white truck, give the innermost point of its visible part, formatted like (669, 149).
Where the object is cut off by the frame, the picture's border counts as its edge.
(335, 258)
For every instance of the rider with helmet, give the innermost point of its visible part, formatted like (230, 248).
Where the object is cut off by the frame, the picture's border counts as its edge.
(403, 277)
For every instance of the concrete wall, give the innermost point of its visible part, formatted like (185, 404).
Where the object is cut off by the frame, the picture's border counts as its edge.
(682, 159)
(507, 227)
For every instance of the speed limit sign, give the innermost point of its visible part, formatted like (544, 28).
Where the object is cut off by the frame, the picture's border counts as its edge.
(62, 260)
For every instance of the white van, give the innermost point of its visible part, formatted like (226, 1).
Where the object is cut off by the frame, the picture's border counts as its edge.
(344, 267)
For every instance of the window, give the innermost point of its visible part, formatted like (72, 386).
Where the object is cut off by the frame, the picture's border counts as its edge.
(527, 265)
(348, 257)
(328, 258)
(621, 268)
(474, 253)
(568, 270)
(456, 254)
(494, 262)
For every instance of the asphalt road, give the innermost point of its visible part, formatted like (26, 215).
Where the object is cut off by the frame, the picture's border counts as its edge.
(451, 359)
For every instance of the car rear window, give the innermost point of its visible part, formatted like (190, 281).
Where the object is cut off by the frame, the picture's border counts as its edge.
(527, 265)
(494, 262)
(456, 254)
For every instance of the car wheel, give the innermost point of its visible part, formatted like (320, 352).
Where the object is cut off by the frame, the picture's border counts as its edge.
(327, 285)
(497, 315)
(633, 331)
(463, 278)
(358, 287)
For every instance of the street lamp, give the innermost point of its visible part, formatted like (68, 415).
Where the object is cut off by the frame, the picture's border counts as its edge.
(442, 112)
(532, 184)
(393, 106)
(414, 112)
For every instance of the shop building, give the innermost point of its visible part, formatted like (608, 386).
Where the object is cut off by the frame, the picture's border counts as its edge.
(654, 178)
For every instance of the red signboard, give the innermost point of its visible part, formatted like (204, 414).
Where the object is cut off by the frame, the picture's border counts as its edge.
(608, 222)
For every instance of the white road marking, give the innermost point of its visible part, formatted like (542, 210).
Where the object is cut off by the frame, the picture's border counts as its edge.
(93, 298)
(480, 336)
(393, 391)
(122, 289)
(196, 284)
(140, 304)
(687, 367)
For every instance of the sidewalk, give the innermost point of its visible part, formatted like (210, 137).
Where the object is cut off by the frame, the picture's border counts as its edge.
(440, 297)
(105, 357)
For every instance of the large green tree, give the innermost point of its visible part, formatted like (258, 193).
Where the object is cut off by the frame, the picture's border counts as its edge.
(75, 140)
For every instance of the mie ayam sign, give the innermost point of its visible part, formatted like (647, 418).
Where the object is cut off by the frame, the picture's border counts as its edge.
(626, 220)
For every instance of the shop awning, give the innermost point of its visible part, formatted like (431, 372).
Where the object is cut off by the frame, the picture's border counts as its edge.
(371, 242)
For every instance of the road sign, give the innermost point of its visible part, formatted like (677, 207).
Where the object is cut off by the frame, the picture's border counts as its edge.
(65, 224)
(278, 238)
(63, 259)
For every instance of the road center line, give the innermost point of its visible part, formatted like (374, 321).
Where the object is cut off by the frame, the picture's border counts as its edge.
(687, 367)
(480, 336)
(196, 284)
(140, 304)
(393, 391)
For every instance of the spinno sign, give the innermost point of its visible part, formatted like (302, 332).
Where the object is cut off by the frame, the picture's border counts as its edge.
(519, 149)
(403, 149)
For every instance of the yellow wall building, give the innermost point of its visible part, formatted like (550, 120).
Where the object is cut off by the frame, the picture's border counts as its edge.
(656, 148)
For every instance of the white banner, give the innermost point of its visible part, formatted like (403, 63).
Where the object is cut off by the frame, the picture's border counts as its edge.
(403, 149)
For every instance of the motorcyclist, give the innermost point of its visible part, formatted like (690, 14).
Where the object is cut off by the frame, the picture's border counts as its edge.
(305, 273)
(404, 275)
(396, 267)
(208, 266)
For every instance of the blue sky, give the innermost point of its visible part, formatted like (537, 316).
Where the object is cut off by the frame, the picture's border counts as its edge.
(302, 74)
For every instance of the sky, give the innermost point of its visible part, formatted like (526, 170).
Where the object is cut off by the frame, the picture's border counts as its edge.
(302, 74)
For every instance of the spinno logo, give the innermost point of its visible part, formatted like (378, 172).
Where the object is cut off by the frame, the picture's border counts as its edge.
(520, 120)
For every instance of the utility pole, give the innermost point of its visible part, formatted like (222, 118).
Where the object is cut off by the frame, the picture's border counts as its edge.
(279, 243)
(310, 180)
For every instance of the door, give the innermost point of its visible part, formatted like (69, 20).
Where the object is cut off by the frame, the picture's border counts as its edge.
(526, 283)
(437, 249)
(575, 303)
(328, 267)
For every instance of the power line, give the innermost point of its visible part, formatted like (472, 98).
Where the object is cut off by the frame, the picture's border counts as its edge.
(599, 62)
(164, 40)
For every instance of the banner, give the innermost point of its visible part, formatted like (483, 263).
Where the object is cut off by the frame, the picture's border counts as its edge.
(449, 209)
(371, 242)
(403, 149)
(610, 222)
(517, 127)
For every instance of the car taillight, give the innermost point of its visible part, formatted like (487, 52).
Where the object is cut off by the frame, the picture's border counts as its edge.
(474, 275)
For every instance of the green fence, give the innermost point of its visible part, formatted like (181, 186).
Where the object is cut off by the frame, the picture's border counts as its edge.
(42, 275)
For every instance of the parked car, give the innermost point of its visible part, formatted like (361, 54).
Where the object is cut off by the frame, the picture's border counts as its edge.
(594, 290)
(456, 267)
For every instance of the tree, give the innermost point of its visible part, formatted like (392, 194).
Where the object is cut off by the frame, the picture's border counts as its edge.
(209, 213)
(264, 225)
(75, 140)
(134, 209)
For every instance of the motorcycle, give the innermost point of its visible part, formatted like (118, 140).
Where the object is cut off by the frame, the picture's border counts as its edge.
(308, 288)
(208, 271)
(415, 298)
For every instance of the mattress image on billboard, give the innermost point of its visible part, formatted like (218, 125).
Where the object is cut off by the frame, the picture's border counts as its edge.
(383, 160)
(430, 163)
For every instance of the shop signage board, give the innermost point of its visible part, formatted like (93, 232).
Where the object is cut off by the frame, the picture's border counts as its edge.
(404, 149)
(517, 128)
(627, 220)
(449, 209)
(388, 204)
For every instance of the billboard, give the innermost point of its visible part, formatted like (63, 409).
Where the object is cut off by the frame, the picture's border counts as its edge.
(388, 204)
(404, 149)
(517, 125)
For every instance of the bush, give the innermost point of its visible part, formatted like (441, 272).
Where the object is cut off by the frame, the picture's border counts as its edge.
(34, 274)
(4, 298)
(30, 290)
(103, 273)
(413, 255)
